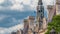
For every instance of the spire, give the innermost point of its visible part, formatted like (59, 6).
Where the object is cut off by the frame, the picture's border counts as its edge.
(40, 2)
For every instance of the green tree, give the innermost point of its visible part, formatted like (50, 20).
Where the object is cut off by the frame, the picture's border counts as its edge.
(55, 23)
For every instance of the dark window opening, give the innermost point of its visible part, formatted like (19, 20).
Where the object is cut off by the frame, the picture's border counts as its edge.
(41, 15)
(39, 11)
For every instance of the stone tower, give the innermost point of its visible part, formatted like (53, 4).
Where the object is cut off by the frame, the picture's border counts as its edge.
(44, 24)
(57, 7)
(40, 15)
(31, 22)
(18, 32)
(26, 26)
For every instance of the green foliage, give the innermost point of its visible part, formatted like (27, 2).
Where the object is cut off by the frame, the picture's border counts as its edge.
(55, 23)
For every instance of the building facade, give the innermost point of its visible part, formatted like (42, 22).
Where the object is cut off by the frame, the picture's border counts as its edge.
(31, 22)
(41, 23)
(40, 14)
(44, 24)
(57, 7)
(26, 25)
(13, 32)
(18, 32)
(51, 12)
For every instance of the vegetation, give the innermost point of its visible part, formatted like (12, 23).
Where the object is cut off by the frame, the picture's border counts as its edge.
(55, 23)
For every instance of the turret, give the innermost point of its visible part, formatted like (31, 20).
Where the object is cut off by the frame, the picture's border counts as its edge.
(40, 14)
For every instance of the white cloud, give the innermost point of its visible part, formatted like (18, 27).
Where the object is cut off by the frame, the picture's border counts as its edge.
(17, 7)
(19, 4)
(16, 1)
(11, 29)
(1, 1)
(49, 2)
(17, 27)
(33, 4)
(27, 2)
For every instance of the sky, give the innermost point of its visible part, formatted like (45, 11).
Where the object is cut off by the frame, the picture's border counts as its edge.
(12, 13)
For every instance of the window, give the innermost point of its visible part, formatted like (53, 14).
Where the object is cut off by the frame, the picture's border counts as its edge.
(39, 11)
(41, 15)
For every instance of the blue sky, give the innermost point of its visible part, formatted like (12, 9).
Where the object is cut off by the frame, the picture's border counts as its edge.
(12, 13)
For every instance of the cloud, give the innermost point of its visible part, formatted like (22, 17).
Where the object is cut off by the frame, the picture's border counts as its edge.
(17, 7)
(6, 3)
(49, 2)
(11, 29)
(17, 27)
(1, 1)
(21, 4)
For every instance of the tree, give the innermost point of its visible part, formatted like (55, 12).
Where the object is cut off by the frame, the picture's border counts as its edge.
(55, 23)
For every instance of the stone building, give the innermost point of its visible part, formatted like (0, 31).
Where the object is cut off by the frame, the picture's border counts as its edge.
(13, 32)
(26, 25)
(44, 24)
(40, 15)
(18, 32)
(30, 31)
(35, 27)
(57, 7)
(41, 23)
(31, 22)
(51, 12)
